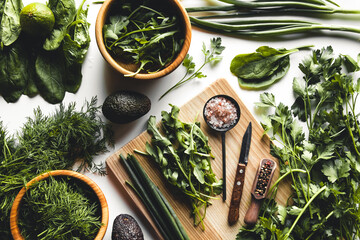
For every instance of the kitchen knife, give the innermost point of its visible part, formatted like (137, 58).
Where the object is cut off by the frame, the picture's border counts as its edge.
(240, 177)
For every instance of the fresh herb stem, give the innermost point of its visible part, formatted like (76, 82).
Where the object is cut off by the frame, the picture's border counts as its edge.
(303, 210)
(211, 56)
(284, 176)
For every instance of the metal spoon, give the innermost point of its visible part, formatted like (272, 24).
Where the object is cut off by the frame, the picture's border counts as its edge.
(221, 127)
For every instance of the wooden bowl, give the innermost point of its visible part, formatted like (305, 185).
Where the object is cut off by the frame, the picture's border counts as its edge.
(14, 213)
(128, 69)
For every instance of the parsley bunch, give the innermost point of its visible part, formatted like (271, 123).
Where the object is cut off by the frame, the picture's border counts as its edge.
(322, 159)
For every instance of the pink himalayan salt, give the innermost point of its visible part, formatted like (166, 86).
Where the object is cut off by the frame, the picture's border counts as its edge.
(220, 113)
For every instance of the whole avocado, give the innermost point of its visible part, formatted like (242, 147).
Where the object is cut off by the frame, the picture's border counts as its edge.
(125, 227)
(125, 106)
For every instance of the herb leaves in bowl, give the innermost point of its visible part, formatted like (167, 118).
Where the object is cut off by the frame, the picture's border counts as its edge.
(60, 204)
(141, 38)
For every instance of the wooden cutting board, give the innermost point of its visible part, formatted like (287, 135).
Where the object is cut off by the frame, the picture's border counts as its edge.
(216, 225)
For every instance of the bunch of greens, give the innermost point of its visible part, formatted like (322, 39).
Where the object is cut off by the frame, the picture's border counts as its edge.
(49, 67)
(44, 143)
(138, 34)
(263, 18)
(161, 211)
(184, 157)
(321, 159)
(211, 56)
(262, 68)
(59, 208)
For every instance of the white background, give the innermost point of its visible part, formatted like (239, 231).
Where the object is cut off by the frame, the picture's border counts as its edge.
(99, 79)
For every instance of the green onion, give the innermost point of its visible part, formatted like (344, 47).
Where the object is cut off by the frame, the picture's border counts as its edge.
(246, 18)
(159, 208)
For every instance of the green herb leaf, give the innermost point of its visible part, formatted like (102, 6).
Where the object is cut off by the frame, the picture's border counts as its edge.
(212, 56)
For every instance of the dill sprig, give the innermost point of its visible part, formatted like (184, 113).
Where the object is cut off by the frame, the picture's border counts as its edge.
(62, 140)
(59, 208)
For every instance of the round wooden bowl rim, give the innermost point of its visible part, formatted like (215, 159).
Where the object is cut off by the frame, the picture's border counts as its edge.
(15, 231)
(100, 20)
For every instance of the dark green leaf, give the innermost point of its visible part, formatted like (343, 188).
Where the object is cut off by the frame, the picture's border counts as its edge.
(10, 21)
(13, 71)
(64, 12)
(50, 71)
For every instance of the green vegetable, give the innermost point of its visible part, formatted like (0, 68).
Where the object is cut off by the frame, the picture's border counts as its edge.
(9, 21)
(75, 45)
(49, 69)
(59, 208)
(262, 68)
(30, 69)
(321, 157)
(45, 143)
(183, 155)
(211, 56)
(13, 71)
(159, 208)
(267, 18)
(141, 35)
(64, 12)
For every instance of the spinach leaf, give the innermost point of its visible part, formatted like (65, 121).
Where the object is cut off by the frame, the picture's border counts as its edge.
(10, 21)
(73, 78)
(50, 67)
(13, 72)
(281, 70)
(64, 12)
(263, 67)
(75, 45)
(77, 38)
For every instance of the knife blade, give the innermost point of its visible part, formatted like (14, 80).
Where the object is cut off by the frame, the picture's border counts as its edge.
(240, 177)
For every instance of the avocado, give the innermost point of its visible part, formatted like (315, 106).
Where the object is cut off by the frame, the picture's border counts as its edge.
(125, 227)
(125, 106)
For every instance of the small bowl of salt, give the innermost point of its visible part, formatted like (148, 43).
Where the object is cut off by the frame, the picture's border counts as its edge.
(222, 113)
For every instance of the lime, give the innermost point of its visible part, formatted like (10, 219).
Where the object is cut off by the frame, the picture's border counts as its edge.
(37, 19)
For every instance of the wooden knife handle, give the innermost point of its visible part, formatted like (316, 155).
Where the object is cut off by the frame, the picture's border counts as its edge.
(236, 194)
(252, 213)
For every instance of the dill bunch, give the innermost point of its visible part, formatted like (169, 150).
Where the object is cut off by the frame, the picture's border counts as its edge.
(59, 208)
(62, 140)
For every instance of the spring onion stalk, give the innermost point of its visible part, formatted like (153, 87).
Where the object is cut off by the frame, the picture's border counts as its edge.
(247, 18)
(159, 208)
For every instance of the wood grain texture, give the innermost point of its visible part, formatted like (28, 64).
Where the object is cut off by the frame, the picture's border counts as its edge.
(216, 221)
(237, 194)
(15, 231)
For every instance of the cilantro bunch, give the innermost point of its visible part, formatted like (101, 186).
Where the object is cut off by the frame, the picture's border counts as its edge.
(317, 143)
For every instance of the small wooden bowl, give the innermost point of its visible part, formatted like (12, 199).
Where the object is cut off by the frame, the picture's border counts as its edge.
(127, 69)
(14, 213)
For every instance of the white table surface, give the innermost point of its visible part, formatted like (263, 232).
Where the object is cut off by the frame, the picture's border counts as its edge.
(99, 79)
